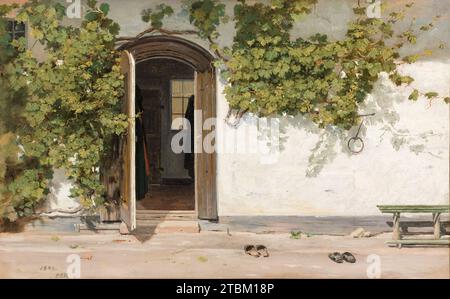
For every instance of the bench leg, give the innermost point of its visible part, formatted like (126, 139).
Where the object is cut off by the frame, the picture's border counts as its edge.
(443, 230)
(396, 227)
(437, 225)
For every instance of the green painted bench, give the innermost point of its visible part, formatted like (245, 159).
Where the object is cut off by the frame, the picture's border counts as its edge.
(396, 210)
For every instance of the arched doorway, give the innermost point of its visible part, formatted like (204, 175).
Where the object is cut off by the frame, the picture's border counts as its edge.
(160, 48)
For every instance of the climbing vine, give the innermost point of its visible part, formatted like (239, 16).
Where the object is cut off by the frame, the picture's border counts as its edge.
(23, 180)
(62, 110)
(71, 101)
(272, 73)
(156, 17)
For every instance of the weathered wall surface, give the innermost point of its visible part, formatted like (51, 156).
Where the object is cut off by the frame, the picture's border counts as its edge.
(348, 184)
(405, 160)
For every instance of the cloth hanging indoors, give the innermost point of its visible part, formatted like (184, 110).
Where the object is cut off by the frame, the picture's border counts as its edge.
(142, 160)
(189, 157)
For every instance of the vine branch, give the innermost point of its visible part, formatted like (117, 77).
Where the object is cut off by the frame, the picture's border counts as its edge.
(160, 30)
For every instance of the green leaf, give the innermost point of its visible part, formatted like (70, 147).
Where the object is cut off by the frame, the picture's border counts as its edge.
(407, 79)
(431, 95)
(414, 96)
(91, 3)
(411, 58)
(114, 29)
(60, 9)
(91, 16)
(104, 7)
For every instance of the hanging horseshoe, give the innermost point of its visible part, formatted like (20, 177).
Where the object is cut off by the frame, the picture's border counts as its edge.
(356, 139)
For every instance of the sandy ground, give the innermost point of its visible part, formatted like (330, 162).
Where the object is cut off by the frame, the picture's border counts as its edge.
(212, 255)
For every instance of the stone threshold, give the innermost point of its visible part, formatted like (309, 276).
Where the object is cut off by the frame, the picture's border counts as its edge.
(329, 225)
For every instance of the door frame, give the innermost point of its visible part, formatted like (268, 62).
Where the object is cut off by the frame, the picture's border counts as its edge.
(176, 48)
(128, 144)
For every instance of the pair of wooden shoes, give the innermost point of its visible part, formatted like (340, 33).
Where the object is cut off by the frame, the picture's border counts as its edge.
(256, 251)
(340, 258)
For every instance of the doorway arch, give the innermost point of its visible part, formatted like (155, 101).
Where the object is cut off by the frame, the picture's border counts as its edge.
(201, 60)
(162, 46)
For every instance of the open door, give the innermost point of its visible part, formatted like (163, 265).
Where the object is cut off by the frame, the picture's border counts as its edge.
(128, 145)
(205, 163)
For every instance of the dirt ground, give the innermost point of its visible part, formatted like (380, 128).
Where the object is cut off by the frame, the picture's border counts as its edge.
(213, 255)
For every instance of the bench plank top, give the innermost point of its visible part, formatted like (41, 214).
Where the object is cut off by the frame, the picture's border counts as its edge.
(419, 242)
(413, 208)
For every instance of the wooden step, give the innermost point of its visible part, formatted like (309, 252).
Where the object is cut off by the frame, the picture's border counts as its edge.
(171, 212)
(154, 222)
(161, 221)
(169, 226)
(166, 215)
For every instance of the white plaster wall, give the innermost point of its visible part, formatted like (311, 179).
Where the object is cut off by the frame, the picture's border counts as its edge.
(349, 184)
(386, 172)
(59, 199)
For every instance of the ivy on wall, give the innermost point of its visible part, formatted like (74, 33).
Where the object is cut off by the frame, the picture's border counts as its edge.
(61, 111)
(71, 103)
(155, 17)
(23, 180)
(270, 73)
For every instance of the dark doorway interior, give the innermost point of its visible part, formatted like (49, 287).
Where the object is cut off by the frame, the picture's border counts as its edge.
(166, 86)
(152, 123)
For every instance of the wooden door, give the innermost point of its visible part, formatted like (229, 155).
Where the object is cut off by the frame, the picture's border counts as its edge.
(152, 125)
(205, 163)
(128, 145)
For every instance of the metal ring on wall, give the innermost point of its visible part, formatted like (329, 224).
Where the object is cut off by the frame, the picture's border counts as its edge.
(352, 141)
